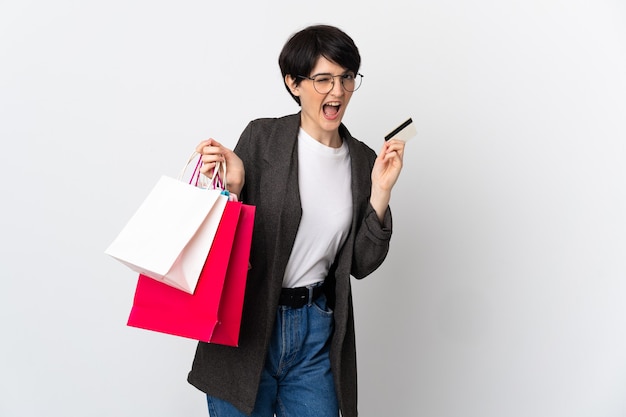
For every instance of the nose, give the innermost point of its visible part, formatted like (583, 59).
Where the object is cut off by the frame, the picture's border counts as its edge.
(337, 89)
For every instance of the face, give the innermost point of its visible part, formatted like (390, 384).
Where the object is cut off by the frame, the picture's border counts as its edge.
(322, 113)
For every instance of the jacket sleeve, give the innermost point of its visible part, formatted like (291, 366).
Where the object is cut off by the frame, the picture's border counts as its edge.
(371, 243)
(371, 240)
(243, 151)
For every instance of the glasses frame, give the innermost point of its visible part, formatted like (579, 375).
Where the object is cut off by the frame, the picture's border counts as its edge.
(332, 77)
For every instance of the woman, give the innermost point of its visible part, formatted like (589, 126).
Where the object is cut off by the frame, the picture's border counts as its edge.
(322, 215)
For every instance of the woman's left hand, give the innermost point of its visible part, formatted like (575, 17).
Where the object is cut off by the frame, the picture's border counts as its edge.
(388, 165)
(385, 173)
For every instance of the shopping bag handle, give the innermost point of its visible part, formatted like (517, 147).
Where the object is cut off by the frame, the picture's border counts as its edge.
(218, 182)
(195, 175)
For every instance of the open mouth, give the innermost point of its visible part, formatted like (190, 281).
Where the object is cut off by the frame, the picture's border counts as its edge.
(331, 109)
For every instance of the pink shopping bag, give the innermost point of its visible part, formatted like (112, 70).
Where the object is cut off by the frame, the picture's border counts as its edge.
(226, 331)
(213, 313)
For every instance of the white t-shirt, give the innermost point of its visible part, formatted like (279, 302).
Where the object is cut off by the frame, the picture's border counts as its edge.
(325, 183)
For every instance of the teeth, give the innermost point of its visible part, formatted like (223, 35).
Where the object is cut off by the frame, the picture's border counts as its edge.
(334, 104)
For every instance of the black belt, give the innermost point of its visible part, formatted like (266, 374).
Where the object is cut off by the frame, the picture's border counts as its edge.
(299, 297)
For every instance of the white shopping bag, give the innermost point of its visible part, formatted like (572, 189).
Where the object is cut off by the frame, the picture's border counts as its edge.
(170, 235)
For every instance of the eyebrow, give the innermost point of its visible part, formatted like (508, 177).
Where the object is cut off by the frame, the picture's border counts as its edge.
(346, 72)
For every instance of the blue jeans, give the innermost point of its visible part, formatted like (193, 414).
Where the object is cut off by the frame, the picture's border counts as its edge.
(297, 380)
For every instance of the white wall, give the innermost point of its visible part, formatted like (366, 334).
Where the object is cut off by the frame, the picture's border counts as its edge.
(503, 292)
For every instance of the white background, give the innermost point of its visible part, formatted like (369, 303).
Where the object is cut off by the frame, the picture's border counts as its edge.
(504, 291)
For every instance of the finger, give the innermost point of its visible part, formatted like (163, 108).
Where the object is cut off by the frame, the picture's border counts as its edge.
(212, 150)
(397, 148)
(395, 144)
(215, 143)
(208, 169)
(393, 159)
(390, 155)
(202, 145)
(212, 158)
(208, 143)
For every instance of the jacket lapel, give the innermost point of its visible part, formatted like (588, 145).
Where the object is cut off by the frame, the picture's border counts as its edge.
(360, 186)
(281, 194)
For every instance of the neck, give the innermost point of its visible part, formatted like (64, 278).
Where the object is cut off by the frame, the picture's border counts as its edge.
(330, 139)
(333, 141)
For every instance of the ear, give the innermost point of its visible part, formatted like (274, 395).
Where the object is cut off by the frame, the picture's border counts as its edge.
(290, 82)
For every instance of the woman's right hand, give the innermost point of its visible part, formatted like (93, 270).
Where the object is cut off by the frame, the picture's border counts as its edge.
(211, 151)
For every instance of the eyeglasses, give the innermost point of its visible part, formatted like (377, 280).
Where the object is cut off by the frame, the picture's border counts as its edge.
(324, 83)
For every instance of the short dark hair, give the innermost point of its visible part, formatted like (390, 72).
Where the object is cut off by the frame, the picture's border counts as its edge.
(304, 48)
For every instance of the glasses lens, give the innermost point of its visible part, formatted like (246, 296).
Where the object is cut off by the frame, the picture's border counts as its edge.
(323, 83)
(351, 82)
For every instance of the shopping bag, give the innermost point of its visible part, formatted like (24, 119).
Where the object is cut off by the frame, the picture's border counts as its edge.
(231, 305)
(170, 234)
(213, 313)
